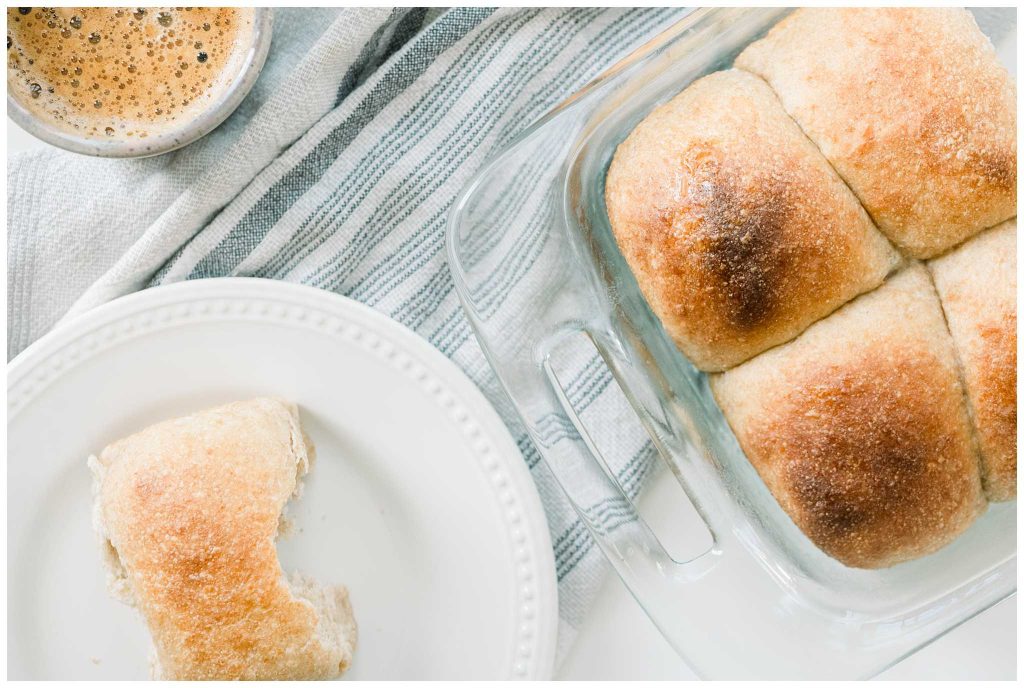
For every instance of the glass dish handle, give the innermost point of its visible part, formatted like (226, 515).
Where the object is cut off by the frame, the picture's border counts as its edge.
(586, 478)
(660, 584)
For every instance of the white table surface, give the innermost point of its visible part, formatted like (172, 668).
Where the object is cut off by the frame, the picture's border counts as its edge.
(618, 641)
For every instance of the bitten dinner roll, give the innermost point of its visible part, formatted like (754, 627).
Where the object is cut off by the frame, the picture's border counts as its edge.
(739, 233)
(860, 429)
(189, 510)
(977, 284)
(912, 108)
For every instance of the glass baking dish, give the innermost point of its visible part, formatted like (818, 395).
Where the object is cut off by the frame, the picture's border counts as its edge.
(762, 601)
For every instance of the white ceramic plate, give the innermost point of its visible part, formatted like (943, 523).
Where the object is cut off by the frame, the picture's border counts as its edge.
(419, 500)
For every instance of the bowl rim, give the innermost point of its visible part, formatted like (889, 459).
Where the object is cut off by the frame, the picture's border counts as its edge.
(208, 120)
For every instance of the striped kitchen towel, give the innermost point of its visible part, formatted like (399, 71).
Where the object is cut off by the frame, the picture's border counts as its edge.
(339, 171)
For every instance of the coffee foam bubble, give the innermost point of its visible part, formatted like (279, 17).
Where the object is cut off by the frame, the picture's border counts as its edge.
(123, 72)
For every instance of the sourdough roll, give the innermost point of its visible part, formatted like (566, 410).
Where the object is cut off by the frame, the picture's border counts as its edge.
(739, 233)
(977, 284)
(860, 429)
(912, 108)
(188, 511)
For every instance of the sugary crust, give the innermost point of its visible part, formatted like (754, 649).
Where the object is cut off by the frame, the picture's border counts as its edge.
(977, 284)
(912, 108)
(191, 508)
(739, 233)
(859, 427)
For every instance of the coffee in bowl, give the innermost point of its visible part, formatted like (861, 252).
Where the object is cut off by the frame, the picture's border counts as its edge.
(127, 74)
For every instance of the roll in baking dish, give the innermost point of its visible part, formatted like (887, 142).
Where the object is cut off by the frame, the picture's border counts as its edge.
(860, 429)
(977, 283)
(738, 231)
(912, 108)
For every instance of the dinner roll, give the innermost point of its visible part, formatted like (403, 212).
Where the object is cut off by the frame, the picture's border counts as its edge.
(912, 108)
(860, 429)
(189, 510)
(739, 233)
(977, 284)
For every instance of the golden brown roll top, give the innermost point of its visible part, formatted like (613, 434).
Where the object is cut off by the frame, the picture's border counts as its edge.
(860, 429)
(912, 108)
(977, 284)
(739, 233)
(190, 509)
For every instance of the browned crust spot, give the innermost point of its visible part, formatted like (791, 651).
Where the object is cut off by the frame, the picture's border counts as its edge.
(864, 458)
(735, 237)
